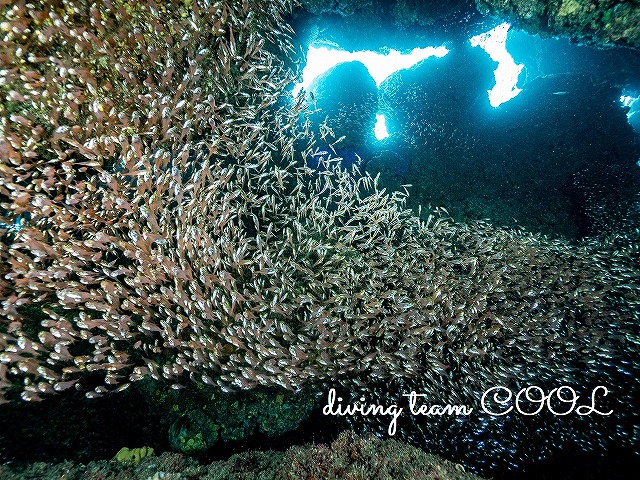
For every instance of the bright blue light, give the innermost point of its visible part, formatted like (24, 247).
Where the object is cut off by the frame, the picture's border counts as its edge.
(321, 59)
(506, 75)
(632, 103)
(16, 226)
(628, 100)
(380, 130)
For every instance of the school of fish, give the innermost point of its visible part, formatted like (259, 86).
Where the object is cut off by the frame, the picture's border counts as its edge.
(169, 228)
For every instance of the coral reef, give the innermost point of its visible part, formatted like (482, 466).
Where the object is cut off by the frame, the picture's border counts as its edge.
(596, 23)
(383, 24)
(132, 456)
(400, 24)
(349, 457)
(199, 418)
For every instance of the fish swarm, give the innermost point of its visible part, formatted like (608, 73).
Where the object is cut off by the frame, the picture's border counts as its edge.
(158, 221)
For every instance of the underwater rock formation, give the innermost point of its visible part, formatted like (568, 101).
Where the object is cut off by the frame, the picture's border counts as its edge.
(390, 164)
(347, 457)
(559, 128)
(401, 24)
(345, 99)
(431, 101)
(198, 419)
(605, 23)
(175, 233)
(358, 24)
(524, 155)
(558, 55)
(403, 12)
(381, 24)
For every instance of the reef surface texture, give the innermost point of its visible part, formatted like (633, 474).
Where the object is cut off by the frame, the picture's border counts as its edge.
(603, 23)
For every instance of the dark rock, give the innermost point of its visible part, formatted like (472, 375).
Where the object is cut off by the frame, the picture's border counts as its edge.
(380, 24)
(348, 457)
(605, 23)
(347, 94)
(561, 126)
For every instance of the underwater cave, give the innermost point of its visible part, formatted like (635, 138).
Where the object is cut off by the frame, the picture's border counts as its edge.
(481, 117)
(183, 270)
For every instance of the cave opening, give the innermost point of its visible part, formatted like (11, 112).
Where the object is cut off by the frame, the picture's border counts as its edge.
(487, 120)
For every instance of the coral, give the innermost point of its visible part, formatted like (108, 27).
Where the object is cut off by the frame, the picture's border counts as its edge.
(358, 458)
(344, 8)
(202, 417)
(348, 457)
(569, 7)
(595, 23)
(132, 456)
(182, 441)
